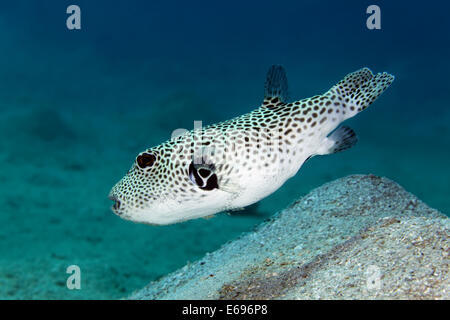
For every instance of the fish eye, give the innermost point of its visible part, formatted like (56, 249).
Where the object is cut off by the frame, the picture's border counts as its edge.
(145, 160)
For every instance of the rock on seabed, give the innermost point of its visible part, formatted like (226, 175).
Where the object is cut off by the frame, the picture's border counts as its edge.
(358, 237)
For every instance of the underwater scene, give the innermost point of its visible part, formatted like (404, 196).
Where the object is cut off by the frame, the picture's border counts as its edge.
(87, 86)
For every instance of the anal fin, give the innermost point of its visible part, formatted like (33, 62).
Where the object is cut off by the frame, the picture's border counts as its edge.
(342, 139)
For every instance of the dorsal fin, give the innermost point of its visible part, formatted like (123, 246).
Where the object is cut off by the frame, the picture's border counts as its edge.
(276, 85)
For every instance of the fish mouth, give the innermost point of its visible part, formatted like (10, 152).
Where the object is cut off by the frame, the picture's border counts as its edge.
(116, 206)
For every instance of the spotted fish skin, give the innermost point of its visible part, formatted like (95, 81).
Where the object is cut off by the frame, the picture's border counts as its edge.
(238, 162)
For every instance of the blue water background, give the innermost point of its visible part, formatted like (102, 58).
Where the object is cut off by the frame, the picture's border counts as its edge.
(77, 106)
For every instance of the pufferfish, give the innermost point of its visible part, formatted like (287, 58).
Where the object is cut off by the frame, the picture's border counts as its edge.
(233, 164)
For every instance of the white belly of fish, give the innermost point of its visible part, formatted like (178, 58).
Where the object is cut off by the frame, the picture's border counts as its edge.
(258, 184)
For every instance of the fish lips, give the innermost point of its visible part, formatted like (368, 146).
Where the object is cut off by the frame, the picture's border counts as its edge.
(116, 207)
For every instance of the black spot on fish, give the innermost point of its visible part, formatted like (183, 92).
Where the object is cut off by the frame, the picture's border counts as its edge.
(203, 176)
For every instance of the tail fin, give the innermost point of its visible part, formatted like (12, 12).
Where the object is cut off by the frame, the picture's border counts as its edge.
(358, 90)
